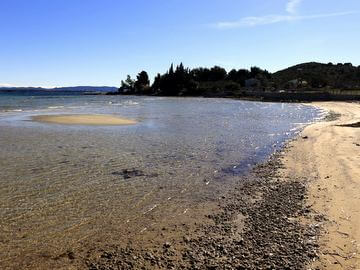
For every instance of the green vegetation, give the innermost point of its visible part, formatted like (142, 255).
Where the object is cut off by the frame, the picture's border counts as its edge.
(181, 81)
(216, 81)
(316, 75)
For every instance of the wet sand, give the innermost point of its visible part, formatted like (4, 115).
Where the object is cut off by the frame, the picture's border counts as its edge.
(298, 206)
(297, 211)
(84, 119)
(264, 222)
(327, 155)
(156, 196)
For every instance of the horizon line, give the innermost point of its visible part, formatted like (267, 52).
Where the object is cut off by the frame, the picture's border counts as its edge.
(12, 86)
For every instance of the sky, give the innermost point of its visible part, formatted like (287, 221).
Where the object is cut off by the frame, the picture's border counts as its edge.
(98, 42)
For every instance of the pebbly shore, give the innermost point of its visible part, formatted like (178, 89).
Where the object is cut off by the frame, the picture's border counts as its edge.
(264, 223)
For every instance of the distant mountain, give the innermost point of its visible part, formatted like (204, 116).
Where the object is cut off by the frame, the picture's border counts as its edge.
(317, 75)
(63, 89)
(9, 88)
(87, 89)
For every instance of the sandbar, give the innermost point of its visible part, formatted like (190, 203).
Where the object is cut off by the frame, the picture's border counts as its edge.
(84, 119)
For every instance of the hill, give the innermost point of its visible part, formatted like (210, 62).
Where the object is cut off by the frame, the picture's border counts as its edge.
(86, 88)
(317, 75)
(216, 81)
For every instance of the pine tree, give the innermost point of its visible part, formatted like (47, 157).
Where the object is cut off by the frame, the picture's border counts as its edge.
(171, 70)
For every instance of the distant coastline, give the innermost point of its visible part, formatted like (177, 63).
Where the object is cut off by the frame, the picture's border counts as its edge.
(300, 83)
(104, 89)
(304, 82)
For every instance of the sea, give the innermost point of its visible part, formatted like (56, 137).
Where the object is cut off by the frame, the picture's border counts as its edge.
(61, 184)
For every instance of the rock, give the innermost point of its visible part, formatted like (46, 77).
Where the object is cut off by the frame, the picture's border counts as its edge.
(186, 239)
(129, 173)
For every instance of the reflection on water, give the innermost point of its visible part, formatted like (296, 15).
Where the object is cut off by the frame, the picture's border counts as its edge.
(61, 184)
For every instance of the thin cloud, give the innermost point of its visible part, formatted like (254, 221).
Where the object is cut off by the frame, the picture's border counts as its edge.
(292, 6)
(291, 10)
(271, 19)
(254, 21)
(7, 85)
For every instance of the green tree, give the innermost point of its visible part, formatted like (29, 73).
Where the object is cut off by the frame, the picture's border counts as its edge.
(217, 73)
(127, 86)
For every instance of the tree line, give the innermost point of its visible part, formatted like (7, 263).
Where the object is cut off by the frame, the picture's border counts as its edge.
(181, 81)
(216, 81)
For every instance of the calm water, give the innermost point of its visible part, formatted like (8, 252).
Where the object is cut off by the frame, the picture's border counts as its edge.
(61, 184)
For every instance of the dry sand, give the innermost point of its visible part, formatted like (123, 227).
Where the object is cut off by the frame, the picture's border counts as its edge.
(329, 156)
(84, 119)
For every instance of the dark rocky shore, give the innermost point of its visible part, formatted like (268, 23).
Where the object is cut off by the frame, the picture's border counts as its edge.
(264, 223)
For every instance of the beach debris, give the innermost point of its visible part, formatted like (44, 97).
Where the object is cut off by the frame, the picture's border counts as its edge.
(353, 125)
(150, 209)
(332, 116)
(129, 173)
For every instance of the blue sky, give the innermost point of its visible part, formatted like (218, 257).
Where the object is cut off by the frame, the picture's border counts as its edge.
(98, 42)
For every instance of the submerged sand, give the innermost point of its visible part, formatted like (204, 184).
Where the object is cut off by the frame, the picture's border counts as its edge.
(84, 119)
(327, 154)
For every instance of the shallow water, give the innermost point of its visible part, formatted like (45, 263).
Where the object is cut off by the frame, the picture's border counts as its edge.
(62, 184)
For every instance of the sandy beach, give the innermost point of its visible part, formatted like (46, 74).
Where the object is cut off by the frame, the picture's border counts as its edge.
(84, 119)
(166, 193)
(327, 155)
(298, 210)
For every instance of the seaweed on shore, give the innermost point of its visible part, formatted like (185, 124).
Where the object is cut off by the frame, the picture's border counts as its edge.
(332, 116)
(353, 125)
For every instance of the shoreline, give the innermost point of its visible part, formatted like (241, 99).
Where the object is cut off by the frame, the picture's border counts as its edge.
(327, 154)
(284, 214)
(276, 97)
(258, 224)
(264, 222)
(290, 213)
